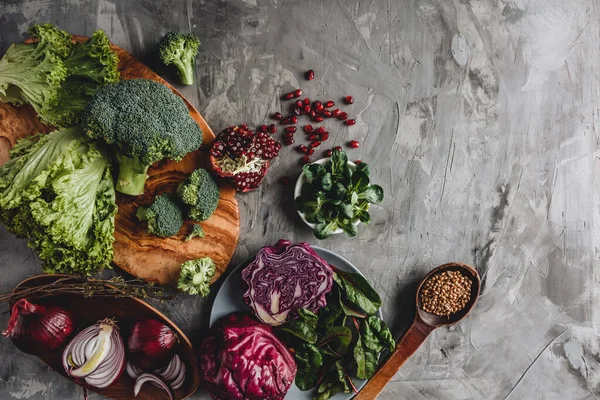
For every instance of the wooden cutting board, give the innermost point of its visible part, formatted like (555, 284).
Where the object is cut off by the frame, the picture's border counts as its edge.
(137, 252)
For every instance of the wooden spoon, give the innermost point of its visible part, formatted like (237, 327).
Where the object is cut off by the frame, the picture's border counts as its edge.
(421, 327)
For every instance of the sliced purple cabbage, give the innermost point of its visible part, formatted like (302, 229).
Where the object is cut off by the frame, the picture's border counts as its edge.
(284, 278)
(242, 359)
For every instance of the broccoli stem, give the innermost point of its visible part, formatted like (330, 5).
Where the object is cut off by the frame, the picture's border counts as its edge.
(186, 72)
(132, 176)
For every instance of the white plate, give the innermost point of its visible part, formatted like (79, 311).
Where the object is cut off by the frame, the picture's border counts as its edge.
(229, 299)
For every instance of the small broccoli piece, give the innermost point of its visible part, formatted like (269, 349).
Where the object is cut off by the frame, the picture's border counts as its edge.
(197, 231)
(164, 216)
(180, 49)
(200, 193)
(196, 275)
(145, 122)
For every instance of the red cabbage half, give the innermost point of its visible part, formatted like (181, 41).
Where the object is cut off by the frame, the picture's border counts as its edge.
(243, 359)
(284, 278)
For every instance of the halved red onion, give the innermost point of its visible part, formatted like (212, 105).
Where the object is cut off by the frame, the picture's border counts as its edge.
(155, 380)
(151, 344)
(96, 354)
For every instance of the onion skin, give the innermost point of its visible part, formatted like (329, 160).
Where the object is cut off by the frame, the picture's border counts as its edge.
(35, 328)
(151, 344)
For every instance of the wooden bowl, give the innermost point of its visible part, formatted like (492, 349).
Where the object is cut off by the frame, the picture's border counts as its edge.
(126, 310)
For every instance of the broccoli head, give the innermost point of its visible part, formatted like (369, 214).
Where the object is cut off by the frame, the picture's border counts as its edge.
(145, 122)
(164, 216)
(196, 275)
(180, 49)
(200, 193)
(197, 231)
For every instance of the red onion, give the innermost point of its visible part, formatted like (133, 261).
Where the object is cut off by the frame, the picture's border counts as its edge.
(34, 327)
(96, 354)
(155, 380)
(151, 344)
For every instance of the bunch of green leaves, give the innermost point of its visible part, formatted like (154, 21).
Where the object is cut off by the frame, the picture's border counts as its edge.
(57, 191)
(343, 340)
(337, 195)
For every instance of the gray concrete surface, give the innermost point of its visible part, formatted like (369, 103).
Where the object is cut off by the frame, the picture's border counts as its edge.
(480, 119)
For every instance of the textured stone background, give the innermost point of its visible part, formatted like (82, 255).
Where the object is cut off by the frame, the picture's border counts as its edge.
(480, 119)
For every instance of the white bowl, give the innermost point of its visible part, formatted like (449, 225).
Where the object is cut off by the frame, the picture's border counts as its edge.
(298, 189)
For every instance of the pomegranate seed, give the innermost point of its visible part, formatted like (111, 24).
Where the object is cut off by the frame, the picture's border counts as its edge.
(308, 128)
(357, 162)
(278, 116)
(288, 142)
(318, 118)
(288, 135)
(284, 180)
(305, 159)
(299, 104)
(290, 129)
(350, 122)
(310, 151)
(302, 148)
(312, 113)
(349, 99)
(327, 114)
(354, 144)
(263, 128)
(343, 116)
(306, 101)
(316, 143)
(287, 96)
(324, 136)
(285, 121)
(329, 104)
(328, 153)
(298, 93)
(306, 109)
(272, 128)
(244, 127)
(338, 148)
(310, 75)
(317, 105)
(336, 112)
(294, 119)
(312, 137)
(319, 108)
(321, 129)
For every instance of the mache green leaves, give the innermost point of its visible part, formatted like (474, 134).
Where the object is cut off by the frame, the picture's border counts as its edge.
(337, 195)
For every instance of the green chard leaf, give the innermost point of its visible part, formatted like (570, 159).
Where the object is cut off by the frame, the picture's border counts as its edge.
(337, 380)
(309, 362)
(366, 360)
(338, 338)
(375, 334)
(357, 291)
(303, 327)
(373, 194)
(329, 314)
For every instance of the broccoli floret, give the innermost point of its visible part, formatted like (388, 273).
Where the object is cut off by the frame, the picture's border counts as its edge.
(197, 231)
(200, 193)
(164, 216)
(145, 122)
(180, 49)
(196, 275)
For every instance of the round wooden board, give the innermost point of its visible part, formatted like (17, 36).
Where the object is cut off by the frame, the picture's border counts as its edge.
(146, 256)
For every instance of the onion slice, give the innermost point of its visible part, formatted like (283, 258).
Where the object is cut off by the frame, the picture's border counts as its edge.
(174, 373)
(148, 377)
